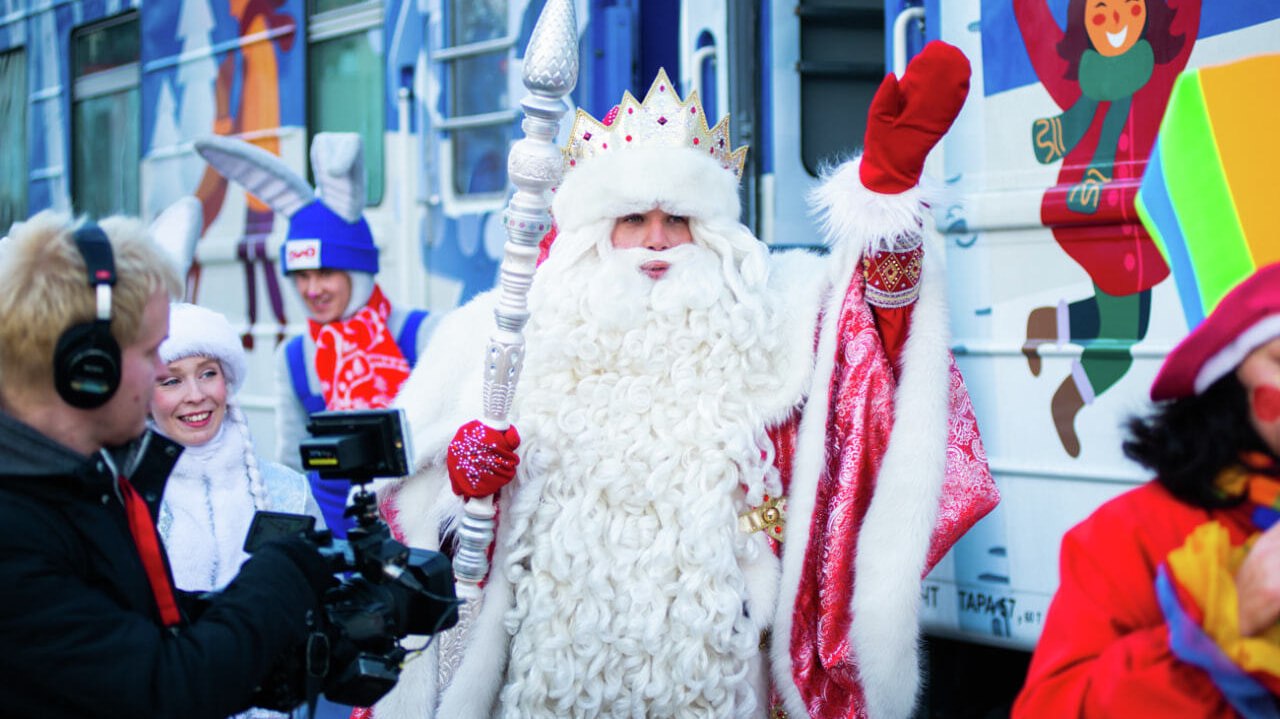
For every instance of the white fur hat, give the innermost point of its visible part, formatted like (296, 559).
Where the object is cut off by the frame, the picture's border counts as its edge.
(658, 153)
(196, 331)
(678, 180)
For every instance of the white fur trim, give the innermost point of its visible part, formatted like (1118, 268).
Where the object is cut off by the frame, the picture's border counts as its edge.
(681, 181)
(855, 220)
(177, 230)
(791, 282)
(199, 331)
(445, 389)
(810, 459)
(898, 526)
(1225, 360)
(896, 532)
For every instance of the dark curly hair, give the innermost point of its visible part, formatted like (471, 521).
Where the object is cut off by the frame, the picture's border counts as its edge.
(1186, 442)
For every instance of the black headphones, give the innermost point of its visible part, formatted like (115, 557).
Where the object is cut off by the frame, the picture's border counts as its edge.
(86, 361)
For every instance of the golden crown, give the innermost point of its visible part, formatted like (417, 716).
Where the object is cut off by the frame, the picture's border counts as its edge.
(662, 120)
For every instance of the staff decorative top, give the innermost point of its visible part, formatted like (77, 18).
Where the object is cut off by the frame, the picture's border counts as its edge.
(535, 162)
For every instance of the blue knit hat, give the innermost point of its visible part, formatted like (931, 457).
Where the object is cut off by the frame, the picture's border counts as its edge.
(320, 238)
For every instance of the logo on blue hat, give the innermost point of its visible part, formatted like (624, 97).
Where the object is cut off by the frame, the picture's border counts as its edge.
(319, 238)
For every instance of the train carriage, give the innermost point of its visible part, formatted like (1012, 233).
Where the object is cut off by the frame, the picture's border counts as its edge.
(1061, 308)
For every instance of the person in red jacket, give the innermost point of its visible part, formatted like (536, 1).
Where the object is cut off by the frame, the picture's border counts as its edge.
(1169, 594)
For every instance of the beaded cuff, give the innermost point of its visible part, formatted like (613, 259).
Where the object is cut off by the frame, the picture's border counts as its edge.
(893, 275)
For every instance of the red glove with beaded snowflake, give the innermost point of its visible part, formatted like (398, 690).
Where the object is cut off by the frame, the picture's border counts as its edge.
(908, 117)
(481, 459)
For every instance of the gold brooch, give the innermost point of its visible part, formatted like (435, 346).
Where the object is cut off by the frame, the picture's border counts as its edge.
(770, 518)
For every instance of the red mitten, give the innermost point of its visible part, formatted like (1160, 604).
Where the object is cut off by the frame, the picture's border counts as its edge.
(907, 118)
(481, 459)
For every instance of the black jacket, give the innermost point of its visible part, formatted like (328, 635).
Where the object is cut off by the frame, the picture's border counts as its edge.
(80, 633)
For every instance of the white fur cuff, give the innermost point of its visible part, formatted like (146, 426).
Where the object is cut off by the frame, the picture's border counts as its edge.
(855, 220)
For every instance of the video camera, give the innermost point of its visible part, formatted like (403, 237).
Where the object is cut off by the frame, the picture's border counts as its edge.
(389, 590)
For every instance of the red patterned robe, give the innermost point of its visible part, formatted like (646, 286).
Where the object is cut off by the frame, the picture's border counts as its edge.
(858, 429)
(1105, 650)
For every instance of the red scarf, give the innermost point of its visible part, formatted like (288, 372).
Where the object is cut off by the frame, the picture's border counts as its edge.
(143, 529)
(357, 359)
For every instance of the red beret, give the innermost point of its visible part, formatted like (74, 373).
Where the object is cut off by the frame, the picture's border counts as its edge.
(1246, 318)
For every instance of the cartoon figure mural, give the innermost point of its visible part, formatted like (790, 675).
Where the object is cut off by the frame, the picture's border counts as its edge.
(1111, 71)
(256, 86)
(220, 66)
(255, 82)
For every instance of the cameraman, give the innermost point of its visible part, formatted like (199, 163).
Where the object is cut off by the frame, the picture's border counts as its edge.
(90, 625)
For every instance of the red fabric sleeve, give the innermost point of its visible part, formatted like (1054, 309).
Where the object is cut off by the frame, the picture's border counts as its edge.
(893, 323)
(1104, 651)
(892, 288)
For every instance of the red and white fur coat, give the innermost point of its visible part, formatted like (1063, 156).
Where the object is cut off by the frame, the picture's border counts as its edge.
(621, 583)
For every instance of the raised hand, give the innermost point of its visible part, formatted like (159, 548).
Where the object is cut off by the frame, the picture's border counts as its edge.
(481, 459)
(908, 117)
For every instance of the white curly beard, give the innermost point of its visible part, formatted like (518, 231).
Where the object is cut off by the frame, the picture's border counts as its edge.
(642, 443)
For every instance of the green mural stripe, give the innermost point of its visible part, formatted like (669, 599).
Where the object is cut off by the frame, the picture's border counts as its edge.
(1200, 195)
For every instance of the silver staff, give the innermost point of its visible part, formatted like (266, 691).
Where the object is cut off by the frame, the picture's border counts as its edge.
(535, 166)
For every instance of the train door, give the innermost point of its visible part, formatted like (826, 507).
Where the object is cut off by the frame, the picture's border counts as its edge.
(720, 57)
(819, 65)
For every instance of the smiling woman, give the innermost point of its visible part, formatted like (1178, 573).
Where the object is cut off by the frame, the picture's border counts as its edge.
(219, 482)
(189, 404)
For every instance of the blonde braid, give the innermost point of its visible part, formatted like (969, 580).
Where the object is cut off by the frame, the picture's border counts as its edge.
(257, 488)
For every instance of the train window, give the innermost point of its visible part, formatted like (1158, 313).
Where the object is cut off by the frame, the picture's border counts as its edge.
(105, 104)
(841, 65)
(477, 115)
(13, 134)
(322, 6)
(345, 85)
